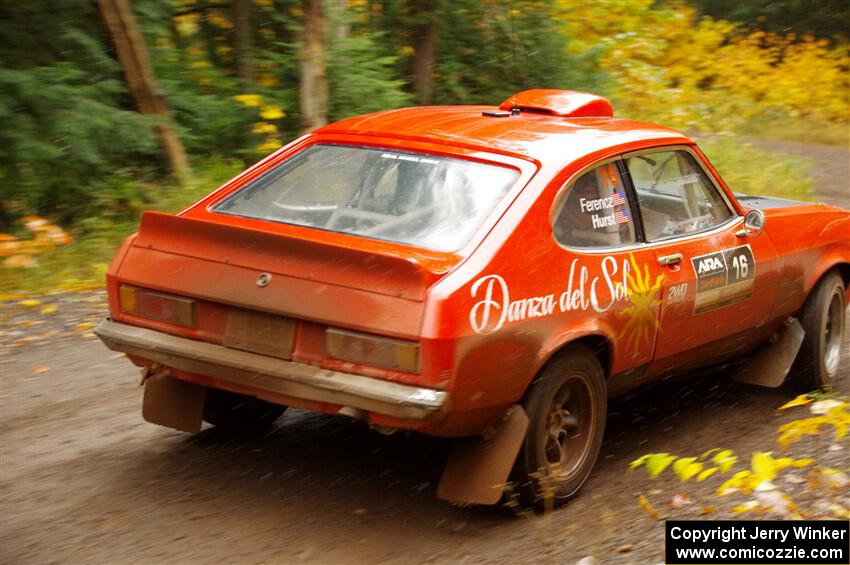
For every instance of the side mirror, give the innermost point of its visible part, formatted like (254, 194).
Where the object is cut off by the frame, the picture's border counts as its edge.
(753, 224)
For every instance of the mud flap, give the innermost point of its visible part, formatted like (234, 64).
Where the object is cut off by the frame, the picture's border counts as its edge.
(769, 365)
(173, 403)
(478, 468)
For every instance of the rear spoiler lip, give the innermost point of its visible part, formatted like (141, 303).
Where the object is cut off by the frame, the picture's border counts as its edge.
(384, 268)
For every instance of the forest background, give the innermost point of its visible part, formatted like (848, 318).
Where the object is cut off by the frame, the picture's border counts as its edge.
(113, 107)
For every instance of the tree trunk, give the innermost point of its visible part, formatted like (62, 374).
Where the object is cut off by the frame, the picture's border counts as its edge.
(424, 47)
(338, 11)
(313, 89)
(243, 42)
(133, 55)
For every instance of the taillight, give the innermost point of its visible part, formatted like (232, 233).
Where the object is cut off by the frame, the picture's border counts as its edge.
(373, 350)
(158, 306)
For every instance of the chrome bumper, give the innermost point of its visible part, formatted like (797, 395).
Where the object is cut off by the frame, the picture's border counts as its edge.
(273, 375)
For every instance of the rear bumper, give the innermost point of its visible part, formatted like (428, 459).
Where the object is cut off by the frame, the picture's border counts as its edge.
(287, 378)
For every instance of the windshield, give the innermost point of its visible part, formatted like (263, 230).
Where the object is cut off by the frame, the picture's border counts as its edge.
(422, 200)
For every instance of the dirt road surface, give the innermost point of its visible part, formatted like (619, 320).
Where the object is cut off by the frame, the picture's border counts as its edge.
(84, 480)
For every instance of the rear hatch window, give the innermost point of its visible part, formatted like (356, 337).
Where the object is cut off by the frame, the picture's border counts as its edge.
(422, 200)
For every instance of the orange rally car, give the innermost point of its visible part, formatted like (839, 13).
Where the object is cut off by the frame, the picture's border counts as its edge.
(485, 273)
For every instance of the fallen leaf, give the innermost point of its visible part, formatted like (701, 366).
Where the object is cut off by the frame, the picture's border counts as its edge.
(686, 467)
(49, 309)
(680, 501)
(764, 465)
(801, 400)
(706, 510)
(37, 370)
(29, 303)
(85, 325)
(657, 462)
(776, 501)
(9, 244)
(834, 478)
(625, 548)
(746, 507)
(647, 507)
(821, 407)
(706, 473)
(639, 461)
(724, 460)
(20, 261)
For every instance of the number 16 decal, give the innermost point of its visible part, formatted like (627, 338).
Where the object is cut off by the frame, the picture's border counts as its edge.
(724, 278)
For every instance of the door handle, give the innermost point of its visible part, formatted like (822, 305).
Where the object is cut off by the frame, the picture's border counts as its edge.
(671, 259)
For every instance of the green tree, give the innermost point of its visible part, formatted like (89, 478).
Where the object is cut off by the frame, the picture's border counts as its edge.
(67, 119)
(828, 19)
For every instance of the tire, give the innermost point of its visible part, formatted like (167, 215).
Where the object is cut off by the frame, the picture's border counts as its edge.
(239, 413)
(823, 319)
(567, 407)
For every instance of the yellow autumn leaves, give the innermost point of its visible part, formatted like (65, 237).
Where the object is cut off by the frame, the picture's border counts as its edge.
(827, 412)
(20, 253)
(268, 113)
(765, 468)
(687, 467)
(669, 65)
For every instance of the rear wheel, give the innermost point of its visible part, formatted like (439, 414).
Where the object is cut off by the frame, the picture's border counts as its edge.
(823, 319)
(566, 407)
(237, 412)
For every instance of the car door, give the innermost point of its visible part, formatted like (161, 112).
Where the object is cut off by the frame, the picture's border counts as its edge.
(610, 274)
(717, 284)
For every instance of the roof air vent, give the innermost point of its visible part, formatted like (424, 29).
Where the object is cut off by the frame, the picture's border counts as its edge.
(563, 103)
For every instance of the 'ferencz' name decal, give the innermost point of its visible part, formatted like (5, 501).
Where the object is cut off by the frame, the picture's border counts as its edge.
(495, 308)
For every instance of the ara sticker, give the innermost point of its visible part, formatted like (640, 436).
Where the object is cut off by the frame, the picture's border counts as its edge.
(723, 278)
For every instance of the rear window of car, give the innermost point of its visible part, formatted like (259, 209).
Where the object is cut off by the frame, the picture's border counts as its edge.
(412, 198)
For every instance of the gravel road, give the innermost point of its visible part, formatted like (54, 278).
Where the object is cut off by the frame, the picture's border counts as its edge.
(84, 480)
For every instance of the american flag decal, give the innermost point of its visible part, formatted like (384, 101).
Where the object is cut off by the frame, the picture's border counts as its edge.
(617, 199)
(621, 216)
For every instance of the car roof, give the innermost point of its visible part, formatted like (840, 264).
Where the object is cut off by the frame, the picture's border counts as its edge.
(551, 140)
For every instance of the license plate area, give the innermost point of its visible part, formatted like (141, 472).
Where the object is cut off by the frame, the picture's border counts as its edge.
(258, 332)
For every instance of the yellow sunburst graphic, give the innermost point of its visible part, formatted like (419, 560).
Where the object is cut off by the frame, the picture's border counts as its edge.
(644, 296)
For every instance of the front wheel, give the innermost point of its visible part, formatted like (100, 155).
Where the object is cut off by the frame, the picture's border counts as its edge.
(566, 407)
(823, 319)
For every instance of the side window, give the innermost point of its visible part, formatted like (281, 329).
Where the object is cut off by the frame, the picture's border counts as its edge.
(595, 212)
(675, 194)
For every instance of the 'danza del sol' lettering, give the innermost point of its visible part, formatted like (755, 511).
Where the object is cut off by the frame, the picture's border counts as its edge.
(495, 307)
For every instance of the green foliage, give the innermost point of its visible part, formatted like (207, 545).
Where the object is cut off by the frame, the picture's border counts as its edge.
(65, 122)
(781, 126)
(749, 170)
(821, 18)
(362, 77)
(83, 263)
(489, 51)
